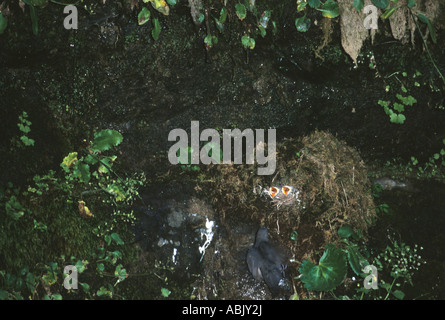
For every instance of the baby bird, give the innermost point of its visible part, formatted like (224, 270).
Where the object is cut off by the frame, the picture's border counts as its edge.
(265, 262)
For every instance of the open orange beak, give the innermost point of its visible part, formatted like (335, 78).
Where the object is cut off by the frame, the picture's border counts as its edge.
(273, 191)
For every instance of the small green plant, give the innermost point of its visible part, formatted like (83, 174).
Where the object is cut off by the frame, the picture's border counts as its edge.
(401, 262)
(328, 9)
(98, 239)
(333, 265)
(25, 127)
(434, 167)
(403, 100)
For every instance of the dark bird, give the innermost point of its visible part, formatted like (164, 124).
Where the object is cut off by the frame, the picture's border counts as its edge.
(266, 263)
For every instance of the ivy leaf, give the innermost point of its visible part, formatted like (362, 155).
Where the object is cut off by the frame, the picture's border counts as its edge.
(106, 139)
(328, 274)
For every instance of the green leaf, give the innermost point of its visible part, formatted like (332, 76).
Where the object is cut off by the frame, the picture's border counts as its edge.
(399, 107)
(165, 292)
(301, 6)
(68, 161)
(356, 260)
(106, 139)
(102, 291)
(411, 3)
(34, 24)
(143, 16)
(262, 31)
(172, 2)
(248, 42)
(85, 287)
(210, 40)
(397, 118)
(56, 296)
(117, 191)
(223, 15)
(120, 273)
(423, 18)
(81, 265)
(358, 5)
(408, 101)
(345, 231)
(329, 9)
(427, 21)
(398, 294)
(240, 10)
(3, 23)
(314, 3)
(82, 172)
(3, 294)
(302, 24)
(294, 235)
(328, 274)
(156, 29)
(382, 4)
(116, 238)
(388, 13)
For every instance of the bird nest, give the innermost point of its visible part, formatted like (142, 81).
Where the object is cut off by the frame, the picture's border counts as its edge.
(319, 182)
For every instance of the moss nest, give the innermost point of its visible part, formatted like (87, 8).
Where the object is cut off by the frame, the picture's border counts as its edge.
(321, 184)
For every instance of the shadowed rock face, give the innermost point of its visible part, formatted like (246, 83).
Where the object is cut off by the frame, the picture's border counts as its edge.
(267, 263)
